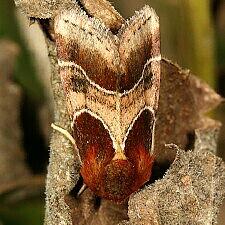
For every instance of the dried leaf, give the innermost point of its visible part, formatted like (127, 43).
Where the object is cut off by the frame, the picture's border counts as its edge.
(205, 97)
(43, 9)
(206, 136)
(63, 169)
(13, 170)
(189, 193)
(15, 177)
(100, 9)
(182, 102)
(88, 209)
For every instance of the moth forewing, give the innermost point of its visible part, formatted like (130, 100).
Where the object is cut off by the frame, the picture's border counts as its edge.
(111, 82)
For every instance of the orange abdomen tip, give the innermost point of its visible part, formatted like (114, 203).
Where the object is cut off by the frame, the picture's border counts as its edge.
(118, 179)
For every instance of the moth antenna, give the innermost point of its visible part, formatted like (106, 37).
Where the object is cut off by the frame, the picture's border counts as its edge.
(153, 134)
(82, 189)
(64, 132)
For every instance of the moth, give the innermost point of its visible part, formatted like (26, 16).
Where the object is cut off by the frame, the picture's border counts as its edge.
(111, 83)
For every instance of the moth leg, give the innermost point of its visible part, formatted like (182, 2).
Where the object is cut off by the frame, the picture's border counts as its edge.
(82, 189)
(153, 133)
(64, 132)
(171, 145)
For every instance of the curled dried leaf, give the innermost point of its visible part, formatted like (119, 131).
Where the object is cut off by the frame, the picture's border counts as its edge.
(185, 195)
(182, 103)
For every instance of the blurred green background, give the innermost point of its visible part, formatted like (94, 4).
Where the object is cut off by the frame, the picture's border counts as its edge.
(192, 34)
